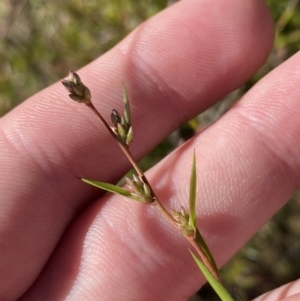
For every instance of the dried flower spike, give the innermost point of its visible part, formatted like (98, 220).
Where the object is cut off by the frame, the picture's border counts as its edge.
(78, 91)
(138, 189)
(182, 220)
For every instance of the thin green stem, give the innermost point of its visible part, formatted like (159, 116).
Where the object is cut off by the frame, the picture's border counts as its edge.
(155, 201)
(122, 146)
(191, 240)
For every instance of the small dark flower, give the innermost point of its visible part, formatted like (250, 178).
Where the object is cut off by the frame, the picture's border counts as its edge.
(115, 117)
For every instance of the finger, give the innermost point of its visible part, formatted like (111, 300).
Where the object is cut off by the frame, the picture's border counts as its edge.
(292, 298)
(248, 167)
(288, 292)
(54, 140)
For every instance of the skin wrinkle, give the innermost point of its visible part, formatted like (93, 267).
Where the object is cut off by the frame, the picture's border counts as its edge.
(35, 151)
(130, 243)
(43, 160)
(19, 155)
(141, 244)
(263, 136)
(291, 173)
(15, 141)
(93, 235)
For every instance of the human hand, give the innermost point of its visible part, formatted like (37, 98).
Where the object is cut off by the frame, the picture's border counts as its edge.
(62, 240)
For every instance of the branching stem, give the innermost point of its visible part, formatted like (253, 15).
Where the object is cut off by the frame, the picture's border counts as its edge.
(122, 146)
(155, 201)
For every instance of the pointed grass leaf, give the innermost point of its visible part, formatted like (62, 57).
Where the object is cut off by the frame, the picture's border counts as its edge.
(192, 218)
(216, 285)
(113, 188)
(107, 187)
(126, 106)
(192, 196)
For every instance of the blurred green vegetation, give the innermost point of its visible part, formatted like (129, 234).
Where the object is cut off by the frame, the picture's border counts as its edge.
(41, 40)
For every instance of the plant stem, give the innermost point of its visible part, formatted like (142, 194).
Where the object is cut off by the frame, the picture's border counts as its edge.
(190, 239)
(122, 146)
(154, 200)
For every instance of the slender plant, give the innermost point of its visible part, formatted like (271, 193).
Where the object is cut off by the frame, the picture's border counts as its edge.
(139, 189)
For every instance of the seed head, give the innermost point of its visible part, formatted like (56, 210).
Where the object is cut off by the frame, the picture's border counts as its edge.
(78, 91)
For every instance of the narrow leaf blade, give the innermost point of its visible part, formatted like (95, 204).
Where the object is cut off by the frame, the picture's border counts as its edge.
(112, 188)
(108, 187)
(192, 196)
(127, 114)
(216, 285)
